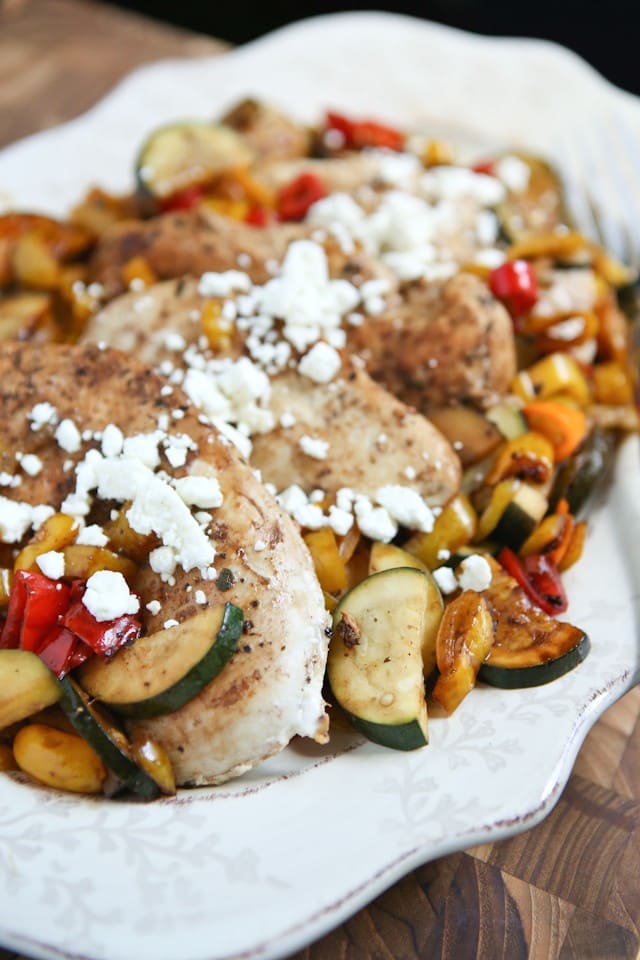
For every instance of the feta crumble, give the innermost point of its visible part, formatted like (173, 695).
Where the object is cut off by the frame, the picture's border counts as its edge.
(51, 564)
(67, 435)
(108, 597)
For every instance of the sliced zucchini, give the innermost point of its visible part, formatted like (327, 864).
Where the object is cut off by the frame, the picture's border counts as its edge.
(582, 475)
(375, 661)
(110, 743)
(539, 208)
(384, 556)
(508, 418)
(530, 648)
(182, 154)
(26, 686)
(161, 672)
(472, 435)
(521, 516)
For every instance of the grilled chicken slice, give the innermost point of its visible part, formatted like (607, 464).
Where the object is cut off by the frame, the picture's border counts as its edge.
(446, 343)
(271, 135)
(192, 242)
(270, 691)
(373, 438)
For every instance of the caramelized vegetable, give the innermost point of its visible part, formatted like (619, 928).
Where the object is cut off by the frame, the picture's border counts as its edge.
(464, 639)
(58, 759)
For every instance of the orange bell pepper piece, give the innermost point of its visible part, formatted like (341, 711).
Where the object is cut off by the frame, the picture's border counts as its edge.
(564, 426)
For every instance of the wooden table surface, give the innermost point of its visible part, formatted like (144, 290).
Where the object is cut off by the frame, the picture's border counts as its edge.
(568, 889)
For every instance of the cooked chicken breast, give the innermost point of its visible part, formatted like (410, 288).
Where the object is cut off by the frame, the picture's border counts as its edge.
(270, 690)
(270, 134)
(447, 342)
(373, 439)
(192, 242)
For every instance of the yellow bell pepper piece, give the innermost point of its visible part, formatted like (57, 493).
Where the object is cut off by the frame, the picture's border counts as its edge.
(528, 457)
(556, 373)
(464, 639)
(137, 270)
(556, 245)
(330, 568)
(217, 328)
(454, 528)
(612, 384)
(56, 533)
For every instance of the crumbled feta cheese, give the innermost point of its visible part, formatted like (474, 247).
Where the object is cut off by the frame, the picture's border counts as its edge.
(223, 284)
(163, 561)
(314, 447)
(199, 491)
(406, 507)
(43, 414)
(200, 596)
(260, 545)
(174, 341)
(374, 522)
(68, 436)
(446, 579)
(513, 172)
(9, 479)
(287, 420)
(310, 516)
(154, 607)
(15, 519)
(292, 498)
(143, 447)
(108, 597)
(304, 296)
(474, 573)
(51, 564)
(92, 536)
(340, 521)
(170, 623)
(31, 464)
(321, 363)
(112, 441)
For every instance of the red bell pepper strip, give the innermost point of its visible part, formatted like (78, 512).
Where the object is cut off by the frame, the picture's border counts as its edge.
(539, 578)
(487, 167)
(295, 198)
(103, 637)
(259, 217)
(515, 284)
(359, 134)
(57, 650)
(184, 199)
(36, 604)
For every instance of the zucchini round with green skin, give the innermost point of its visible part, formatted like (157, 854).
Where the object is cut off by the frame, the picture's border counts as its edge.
(375, 660)
(539, 208)
(109, 742)
(581, 475)
(385, 556)
(522, 515)
(161, 672)
(26, 686)
(530, 648)
(508, 418)
(183, 154)
(516, 669)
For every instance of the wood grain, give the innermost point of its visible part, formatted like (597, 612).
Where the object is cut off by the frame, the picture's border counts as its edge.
(567, 890)
(58, 57)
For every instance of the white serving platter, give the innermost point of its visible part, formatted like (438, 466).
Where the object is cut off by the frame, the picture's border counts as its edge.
(264, 865)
